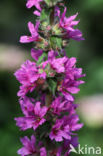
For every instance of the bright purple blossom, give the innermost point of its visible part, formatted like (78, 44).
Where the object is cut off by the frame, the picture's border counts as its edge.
(72, 121)
(34, 115)
(60, 105)
(67, 24)
(72, 72)
(70, 84)
(36, 53)
(56, 64)
(28, 146)
(59, 131)
(28, 75)
(37, 13)
(65, 127)
(69, 87)
(43, 151)
(34, 33)
(52, 54)
(36, 3)
(52, 79)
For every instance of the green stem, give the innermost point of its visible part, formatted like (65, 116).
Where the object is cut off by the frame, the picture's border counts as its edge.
(52, 16)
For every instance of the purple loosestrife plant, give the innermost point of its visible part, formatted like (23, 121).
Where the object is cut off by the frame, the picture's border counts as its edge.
(49, 82)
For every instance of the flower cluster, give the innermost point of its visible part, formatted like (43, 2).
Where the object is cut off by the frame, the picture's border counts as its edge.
(49, 82)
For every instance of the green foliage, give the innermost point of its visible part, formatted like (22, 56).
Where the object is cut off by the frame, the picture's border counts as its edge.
(48, 2)
(56, 42)
(44, 15)
(40, 60)
(51, 3)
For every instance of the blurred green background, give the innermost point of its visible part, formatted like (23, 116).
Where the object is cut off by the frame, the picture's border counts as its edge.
(13, 23)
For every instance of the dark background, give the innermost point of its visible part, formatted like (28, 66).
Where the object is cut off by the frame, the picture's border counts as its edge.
(13, 23)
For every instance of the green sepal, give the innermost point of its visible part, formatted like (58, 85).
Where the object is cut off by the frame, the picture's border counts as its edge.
(47, 2)
(40, 60)
(44, 15)
(56, 42)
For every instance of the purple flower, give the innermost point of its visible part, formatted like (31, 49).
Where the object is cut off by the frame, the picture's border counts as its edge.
(69, 85)
(28, 75)
(36, 53)
(34, 33)
(75, 35)
(72, 121)
(47, 85)
(67, 24)
(60, 105)
(72, 72)
(52, 54)
(43, 151)
(28, 146)
(55, 64)
(34, 115)
(36, 3)
(37, 13)
(59, 131)
(65, 127)
(58, 64)
(27, 106)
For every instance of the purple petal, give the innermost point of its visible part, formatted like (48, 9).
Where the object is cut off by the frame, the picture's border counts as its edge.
(73, 90)
(37, 108)
(31, 28)
(43, 151)
(36, 53)
(26, 39)
(37, 13)
(23, 151)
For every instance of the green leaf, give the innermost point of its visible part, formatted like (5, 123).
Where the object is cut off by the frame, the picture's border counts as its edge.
(44, 15)
(41, 58)
(48, 2)
(59, 42)
(52, 85)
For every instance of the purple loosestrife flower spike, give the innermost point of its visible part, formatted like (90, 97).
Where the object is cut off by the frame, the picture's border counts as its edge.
(48, 83)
